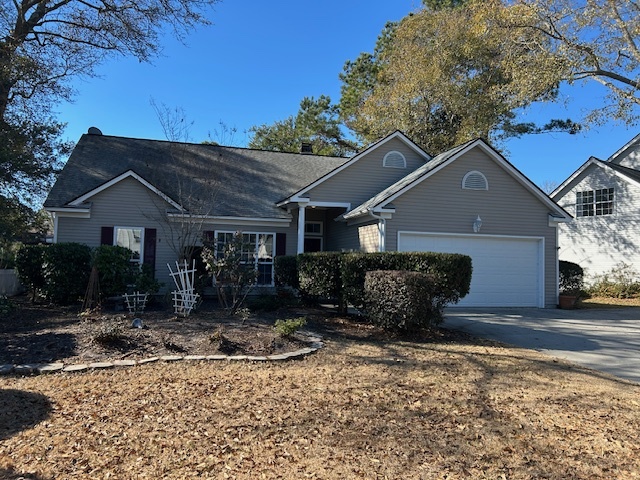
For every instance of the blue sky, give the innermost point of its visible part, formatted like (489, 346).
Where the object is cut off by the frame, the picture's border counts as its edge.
(259, 59)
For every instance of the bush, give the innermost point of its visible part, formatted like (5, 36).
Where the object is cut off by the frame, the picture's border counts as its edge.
(620, 282)
(115, 269)
(400, 300)
(145, 282)
(571, 278)
(29, 260)
(66, 268)
(286, 271)
(289, 326)
(320, 275)
(451, 272)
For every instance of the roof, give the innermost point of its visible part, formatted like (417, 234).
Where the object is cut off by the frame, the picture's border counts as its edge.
(245, 182)
(384, 198)
(624, 172)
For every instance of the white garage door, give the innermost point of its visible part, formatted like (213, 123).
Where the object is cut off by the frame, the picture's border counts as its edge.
(507, 271)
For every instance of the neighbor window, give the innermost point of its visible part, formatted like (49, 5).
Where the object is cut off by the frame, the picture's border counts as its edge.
(591, 203)
(131, 238)
(257, 249)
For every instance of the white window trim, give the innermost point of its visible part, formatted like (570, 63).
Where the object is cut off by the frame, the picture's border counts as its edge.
(142, 233)
(404, 159)
(595, 203)
(314, 234)
(273, 253)
(474, 172)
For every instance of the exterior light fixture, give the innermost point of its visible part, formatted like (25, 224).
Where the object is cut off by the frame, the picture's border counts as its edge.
(477, 224)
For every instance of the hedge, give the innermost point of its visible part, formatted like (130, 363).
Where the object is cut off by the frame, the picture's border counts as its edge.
(286, 271)
(66, 268)
(401, 301)
(115, 269)
(341, 276)
(29, 260)
(452, 272)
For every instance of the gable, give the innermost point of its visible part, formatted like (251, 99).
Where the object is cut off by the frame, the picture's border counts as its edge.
(629, 155)
(369, 175)
(596, 176)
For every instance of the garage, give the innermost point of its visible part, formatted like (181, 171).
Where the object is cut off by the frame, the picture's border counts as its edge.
(507, 271)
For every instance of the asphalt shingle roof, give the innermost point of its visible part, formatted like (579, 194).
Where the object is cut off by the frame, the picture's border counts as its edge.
(245, 182)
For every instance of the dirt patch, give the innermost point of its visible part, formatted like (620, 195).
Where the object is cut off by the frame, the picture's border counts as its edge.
(33, 334)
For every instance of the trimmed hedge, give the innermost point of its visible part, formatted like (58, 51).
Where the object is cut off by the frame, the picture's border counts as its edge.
(66, 268)
(341, 276)
(29, 260)
(401, 301)
(451, 272)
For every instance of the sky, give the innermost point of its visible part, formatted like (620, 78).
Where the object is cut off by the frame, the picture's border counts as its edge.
(259, 59)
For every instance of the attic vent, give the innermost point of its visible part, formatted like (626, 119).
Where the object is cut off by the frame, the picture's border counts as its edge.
(475, 180)
(394, 159)
(94, 131)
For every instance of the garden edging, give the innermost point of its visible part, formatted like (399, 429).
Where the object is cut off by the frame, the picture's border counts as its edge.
(315, 343)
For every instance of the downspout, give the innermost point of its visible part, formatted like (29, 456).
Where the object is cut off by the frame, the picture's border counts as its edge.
(382, 229)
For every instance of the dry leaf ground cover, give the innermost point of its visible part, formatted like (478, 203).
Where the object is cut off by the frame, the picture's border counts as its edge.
(367, 406)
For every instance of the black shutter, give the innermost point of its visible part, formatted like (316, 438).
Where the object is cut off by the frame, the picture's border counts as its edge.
(150, 248)
(281, 244)
(106, 236)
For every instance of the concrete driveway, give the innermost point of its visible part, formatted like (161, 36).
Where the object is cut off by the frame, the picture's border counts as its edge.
(603, 339)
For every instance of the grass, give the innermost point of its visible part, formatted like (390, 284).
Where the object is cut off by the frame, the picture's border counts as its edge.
(608, 302)
(365, 407)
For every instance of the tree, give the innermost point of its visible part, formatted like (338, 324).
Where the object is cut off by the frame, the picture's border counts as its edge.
(317, 123)
(590, 40)
(43, 44)
(447, 74)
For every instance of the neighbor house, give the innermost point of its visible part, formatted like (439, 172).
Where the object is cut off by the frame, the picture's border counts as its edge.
(604, 198)
(151, 196)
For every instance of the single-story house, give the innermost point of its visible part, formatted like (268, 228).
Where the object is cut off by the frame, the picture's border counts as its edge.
(392, 196)
(602, 196)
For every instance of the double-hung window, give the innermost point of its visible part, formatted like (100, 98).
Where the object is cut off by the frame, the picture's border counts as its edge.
(591, 203)
(257, 250)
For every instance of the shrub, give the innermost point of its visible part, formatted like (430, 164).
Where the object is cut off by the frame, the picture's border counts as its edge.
(145, 282)
(29, 260)
(66, 269)
(115, 269)
(451, 272)
(620, 282)
(6, 305)
(109, 331)
(286, 271)
(320, 275)
(400, 300)
(289, 326)
(571, 278)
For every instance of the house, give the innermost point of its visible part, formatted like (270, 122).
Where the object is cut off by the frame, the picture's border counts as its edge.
(392, 196)
(603, 196)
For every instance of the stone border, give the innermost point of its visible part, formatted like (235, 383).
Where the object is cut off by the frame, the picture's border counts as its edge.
(315, 343)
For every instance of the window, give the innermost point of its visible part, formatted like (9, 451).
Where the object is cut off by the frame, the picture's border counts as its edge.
(394, 160)
(131, 238)
(475, 180)
(257, 249)
(591, 203)
(313, 228)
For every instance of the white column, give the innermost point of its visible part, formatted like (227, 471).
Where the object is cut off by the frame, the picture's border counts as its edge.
(301, 220)
(382, 232)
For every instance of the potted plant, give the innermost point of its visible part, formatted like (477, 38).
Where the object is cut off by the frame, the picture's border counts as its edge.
(571, 283)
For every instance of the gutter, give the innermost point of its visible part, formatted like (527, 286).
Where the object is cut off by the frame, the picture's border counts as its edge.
(382, 228)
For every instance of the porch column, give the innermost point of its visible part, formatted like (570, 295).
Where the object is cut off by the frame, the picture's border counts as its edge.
(382, 234)
(301, 220)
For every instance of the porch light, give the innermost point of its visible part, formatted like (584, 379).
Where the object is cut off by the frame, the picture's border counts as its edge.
(477, 224)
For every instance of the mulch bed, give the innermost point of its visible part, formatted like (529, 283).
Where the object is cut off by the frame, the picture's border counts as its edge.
(38, 334)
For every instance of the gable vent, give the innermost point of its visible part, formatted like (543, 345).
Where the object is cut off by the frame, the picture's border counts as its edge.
(475, 181)
(394, 160)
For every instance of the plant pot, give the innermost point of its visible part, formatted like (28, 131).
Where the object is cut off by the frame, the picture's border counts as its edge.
(567, 302)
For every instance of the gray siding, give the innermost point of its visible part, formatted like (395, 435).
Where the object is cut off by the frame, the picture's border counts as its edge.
(366, 177)
(439, 204)
(130, 204)
(600, 243)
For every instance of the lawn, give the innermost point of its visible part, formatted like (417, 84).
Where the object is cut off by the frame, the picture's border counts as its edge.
(367, 406)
